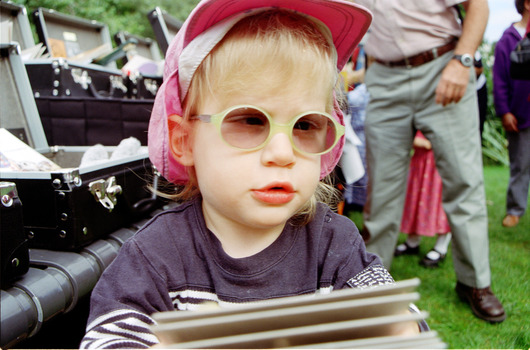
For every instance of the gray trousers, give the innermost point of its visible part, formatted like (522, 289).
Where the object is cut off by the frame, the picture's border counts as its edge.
(519, 151)
(402, 100)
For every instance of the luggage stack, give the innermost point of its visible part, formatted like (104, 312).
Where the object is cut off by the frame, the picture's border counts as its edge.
(63, 220)
(66, 205)
(80, 87)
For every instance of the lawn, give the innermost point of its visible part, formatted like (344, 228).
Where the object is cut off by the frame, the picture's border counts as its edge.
(510, 263)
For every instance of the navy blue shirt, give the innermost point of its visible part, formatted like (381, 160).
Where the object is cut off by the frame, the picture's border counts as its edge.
(175, 263)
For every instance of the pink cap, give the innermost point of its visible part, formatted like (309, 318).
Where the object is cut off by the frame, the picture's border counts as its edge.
(205, 27)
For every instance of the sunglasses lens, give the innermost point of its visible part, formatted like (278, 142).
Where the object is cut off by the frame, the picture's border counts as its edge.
(249, 128)
(314, 133)
(245, 128)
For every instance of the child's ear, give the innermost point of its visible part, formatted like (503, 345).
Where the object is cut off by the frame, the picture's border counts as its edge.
(180, 139)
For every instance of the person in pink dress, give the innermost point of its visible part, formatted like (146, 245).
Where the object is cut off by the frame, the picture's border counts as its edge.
(423, 214)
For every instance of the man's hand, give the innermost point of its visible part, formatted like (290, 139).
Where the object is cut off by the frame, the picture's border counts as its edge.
(453, 83)
(510, 122)
(454, 80)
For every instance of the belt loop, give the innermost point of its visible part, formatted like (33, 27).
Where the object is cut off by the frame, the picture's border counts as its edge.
(407, 63)
(435, 53)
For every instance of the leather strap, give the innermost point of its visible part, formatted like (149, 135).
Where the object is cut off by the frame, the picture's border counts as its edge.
(421, 58)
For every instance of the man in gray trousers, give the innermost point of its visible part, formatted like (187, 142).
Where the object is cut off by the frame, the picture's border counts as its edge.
(423, 79)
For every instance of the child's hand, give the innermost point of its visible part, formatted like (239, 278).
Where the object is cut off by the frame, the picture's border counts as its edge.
(404, 328)
(420, 142)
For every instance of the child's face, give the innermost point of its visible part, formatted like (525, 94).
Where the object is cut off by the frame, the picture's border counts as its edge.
(261, 189)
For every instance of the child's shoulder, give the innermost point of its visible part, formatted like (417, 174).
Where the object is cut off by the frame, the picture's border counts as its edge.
(175, 208)
(335, 225)
(170, 233)
(326, 214)
(177, 218)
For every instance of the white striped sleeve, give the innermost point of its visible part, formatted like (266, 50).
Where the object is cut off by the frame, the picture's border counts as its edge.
(120, 329)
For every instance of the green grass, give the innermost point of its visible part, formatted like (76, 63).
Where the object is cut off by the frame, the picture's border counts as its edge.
(510, 264)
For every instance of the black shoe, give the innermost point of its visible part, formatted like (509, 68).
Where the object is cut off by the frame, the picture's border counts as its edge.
(405, 249)
(483, 302)
(432, 263)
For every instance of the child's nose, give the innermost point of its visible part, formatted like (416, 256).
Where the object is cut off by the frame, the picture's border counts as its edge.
(278, 151)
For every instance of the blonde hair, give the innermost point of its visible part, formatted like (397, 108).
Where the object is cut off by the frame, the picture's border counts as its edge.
(280, 42)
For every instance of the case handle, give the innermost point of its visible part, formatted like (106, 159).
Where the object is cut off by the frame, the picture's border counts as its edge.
(146, 205)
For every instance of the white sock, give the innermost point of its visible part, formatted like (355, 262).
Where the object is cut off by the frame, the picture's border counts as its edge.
(413, 240)
(442, 243)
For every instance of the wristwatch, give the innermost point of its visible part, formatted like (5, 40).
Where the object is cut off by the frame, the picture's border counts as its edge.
(466, 59)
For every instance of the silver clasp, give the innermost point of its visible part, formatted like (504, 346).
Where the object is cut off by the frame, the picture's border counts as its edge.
(151, 85)
(105, 191)
(81, 77)
(116, 82)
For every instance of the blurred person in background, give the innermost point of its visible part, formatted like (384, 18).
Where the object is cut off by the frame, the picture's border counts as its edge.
(511, 97)
(423, 79)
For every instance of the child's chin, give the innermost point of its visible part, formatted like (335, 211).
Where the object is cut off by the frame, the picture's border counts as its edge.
(272, 217)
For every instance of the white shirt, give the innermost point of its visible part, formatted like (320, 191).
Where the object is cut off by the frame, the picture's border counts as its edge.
(403, 28)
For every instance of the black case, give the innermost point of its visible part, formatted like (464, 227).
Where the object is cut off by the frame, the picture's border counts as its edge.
(59, 77)
(92, 102)
(89, 121)
(145, 47)
(74, 35)
(62, 212)
(16, 15)
(67, 209)
(141, 85)
(14, 246)
(165, 27)
(98, 104)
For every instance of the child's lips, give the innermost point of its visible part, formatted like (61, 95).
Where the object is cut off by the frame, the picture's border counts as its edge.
(276, 193)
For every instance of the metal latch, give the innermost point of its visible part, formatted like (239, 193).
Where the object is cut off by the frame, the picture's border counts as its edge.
(116, 82)
(8, 191)
(81, 77)
(151, 85)
(105, 191)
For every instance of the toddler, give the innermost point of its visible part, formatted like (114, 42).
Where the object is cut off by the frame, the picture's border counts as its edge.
(247, 124)
(423, 214)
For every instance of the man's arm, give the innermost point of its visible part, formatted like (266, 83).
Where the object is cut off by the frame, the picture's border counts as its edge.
(453, 82)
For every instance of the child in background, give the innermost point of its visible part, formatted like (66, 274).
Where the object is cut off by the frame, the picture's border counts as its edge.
(423, 214)
(358, 97)
(355, 193)
(247, 122)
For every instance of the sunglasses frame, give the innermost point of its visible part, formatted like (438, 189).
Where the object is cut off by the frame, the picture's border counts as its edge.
(217, 120)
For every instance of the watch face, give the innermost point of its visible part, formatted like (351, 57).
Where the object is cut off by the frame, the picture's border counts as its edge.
(466, 60)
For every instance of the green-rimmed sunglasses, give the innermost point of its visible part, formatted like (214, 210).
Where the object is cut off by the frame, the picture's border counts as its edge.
(250, 128)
